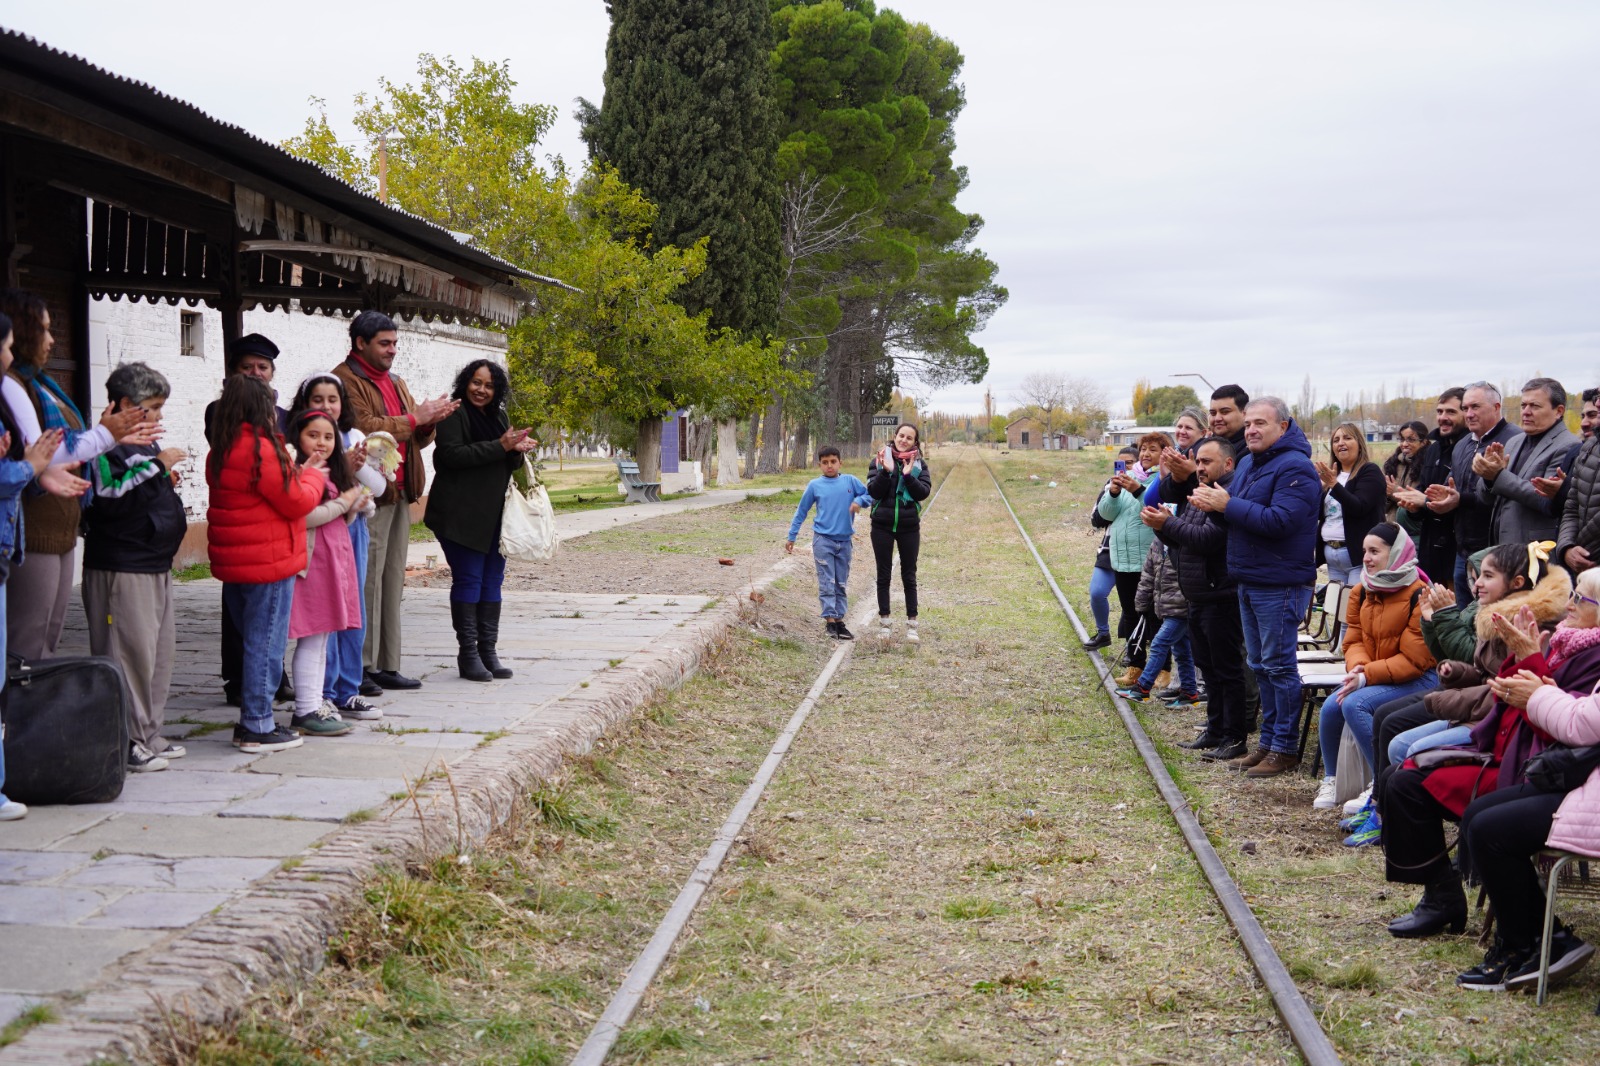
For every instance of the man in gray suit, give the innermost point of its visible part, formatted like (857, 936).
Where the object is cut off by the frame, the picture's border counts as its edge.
(1520, 512)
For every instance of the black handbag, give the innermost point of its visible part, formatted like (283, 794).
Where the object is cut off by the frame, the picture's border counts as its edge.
(1561, 769)
(66, 730)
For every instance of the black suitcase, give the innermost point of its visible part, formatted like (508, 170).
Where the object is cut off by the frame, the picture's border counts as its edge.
(66, 730)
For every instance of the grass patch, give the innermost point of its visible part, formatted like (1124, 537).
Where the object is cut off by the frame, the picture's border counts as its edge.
(34, 1016)
(969, 909)
(560, 811)
(192, 572)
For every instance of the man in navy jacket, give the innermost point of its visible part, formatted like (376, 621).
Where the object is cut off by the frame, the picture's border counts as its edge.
(1271, 513)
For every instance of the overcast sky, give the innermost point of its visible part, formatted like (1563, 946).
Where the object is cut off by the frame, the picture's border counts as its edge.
(1371, 192)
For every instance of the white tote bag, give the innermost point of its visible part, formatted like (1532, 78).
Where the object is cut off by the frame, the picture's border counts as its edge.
(527, 522)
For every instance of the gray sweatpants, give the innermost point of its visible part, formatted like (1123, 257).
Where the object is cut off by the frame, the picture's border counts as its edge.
(390, 532)
(131, 620)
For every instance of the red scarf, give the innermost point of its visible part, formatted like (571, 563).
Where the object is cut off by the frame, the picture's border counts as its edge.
(391, 406)
(905, 457)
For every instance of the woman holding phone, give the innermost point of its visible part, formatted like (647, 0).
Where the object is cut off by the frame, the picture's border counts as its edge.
(898, 481)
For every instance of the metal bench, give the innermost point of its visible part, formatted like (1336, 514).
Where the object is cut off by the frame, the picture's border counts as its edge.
(639, 490)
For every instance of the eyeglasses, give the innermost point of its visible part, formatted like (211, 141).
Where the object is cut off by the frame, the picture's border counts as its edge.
(1578, 597)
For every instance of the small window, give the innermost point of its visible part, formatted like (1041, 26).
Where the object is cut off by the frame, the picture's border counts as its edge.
(1024, 438)
(190, 336)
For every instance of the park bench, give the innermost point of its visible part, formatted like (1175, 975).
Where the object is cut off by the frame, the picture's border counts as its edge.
(639, 490)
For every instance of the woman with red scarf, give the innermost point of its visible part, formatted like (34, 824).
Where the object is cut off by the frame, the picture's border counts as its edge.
(1420, 797)
(898, 481)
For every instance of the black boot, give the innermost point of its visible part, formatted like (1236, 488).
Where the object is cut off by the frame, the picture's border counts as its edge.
(488, 637)
(1443, 905)
(464, 616)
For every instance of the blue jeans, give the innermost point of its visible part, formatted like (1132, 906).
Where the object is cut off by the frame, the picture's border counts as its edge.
(1172, 637)
(1271, 616)
(1355, 711)
(1341, 567)
(1464, 593)
(262, 614)
(5, 572)
(1425, 737)
(342, 677)
(833, 572)
(475, 577)
(1101, 584)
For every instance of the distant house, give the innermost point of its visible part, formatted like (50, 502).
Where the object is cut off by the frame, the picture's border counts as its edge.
(1025, 434)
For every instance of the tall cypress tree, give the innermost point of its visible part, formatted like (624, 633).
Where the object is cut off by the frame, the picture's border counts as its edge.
(688, 119)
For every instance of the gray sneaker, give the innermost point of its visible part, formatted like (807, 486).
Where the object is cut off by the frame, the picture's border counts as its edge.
(322, 722)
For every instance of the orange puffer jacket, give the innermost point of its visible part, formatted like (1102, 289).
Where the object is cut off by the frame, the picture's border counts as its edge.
(256, 534)
(1384, 635)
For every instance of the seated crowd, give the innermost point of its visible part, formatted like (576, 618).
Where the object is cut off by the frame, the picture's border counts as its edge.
(1467, 563)
(307, 527)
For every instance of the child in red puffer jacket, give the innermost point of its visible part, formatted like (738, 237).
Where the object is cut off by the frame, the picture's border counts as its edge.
(256, 536)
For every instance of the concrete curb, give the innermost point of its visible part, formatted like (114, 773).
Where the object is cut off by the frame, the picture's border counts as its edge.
(278, 932)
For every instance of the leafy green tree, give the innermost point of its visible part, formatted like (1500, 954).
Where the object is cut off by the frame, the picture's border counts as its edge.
(462, 153)
(1161, 406)
(688, 119)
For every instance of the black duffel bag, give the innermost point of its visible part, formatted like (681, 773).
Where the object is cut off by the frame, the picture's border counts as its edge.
(66, 732)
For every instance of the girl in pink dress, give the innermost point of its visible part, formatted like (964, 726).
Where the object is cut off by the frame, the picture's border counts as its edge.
(327, 595)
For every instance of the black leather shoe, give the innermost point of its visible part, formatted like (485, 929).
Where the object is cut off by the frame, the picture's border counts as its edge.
(1229, 749)
(1204, 740)
(369, 687)
(395, 679)
(1098, 641)
(285, 694)
(1443, 906)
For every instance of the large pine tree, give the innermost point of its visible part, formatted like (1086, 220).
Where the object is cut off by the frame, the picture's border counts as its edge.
(688, 119)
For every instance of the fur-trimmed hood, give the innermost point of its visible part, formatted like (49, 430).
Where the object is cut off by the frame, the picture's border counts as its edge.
(1548, 600)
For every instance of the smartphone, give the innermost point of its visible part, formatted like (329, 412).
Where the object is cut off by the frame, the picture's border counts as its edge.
(1119, 466)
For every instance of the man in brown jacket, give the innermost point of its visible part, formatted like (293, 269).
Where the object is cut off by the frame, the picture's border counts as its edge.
(381, 402)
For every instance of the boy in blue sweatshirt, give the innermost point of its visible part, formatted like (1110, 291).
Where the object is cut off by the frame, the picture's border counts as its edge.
(838, 497)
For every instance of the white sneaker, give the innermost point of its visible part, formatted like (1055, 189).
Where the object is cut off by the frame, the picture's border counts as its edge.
(885, 629)
(1325, 795)
(1354, 806)
(911, 632)
(12, 811)
(173, 751)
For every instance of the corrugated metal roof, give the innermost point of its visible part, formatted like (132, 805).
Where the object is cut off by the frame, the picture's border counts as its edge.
(231, 150)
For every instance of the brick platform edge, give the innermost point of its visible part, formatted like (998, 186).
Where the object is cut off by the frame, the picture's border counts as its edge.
(279, 931)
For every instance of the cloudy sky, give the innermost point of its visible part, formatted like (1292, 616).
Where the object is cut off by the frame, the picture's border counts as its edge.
(1370, 192)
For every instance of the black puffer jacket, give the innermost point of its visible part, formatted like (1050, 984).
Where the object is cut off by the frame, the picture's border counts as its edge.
(895, 496)
(1580, 519)
(1201, 538)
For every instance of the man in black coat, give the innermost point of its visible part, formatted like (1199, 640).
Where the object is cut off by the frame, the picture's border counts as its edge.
(1436, 538)
(1215, 632)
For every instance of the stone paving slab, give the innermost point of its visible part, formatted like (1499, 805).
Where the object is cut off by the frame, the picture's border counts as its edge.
(192, 860)
(319, 799)
(41, 960)
(180, 836)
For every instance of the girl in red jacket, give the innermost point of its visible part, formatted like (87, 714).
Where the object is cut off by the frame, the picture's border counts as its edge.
(256, 536)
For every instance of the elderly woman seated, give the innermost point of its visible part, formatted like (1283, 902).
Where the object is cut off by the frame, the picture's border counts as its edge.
(1439, 784)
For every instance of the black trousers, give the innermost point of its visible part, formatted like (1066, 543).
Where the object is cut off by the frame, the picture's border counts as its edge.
(884, 541)
(1500, 833)
(1413, 829)
(1127, 591)
(1217, 637)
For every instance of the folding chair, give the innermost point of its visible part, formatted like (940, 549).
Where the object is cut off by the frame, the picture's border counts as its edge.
(1565, 873)
(1316, 682)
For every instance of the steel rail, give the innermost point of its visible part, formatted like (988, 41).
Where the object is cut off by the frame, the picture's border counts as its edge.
(1304, 1029)
(649, 961)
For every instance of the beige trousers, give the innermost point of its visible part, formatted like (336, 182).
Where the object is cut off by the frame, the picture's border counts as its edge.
(390, 530)
(131, 620)
(36, 603)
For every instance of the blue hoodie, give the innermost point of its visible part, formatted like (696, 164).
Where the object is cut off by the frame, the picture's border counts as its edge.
(1274, 505)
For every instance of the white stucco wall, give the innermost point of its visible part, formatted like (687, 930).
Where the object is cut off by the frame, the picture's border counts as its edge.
(122, 331)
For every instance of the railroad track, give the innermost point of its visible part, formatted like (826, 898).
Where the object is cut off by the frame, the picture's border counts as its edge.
(1297, 1015)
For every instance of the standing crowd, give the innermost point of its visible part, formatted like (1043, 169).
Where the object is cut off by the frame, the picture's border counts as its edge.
(1470, 634)
(308, 523)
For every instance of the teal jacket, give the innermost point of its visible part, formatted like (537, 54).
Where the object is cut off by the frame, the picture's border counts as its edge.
(1130, 538)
